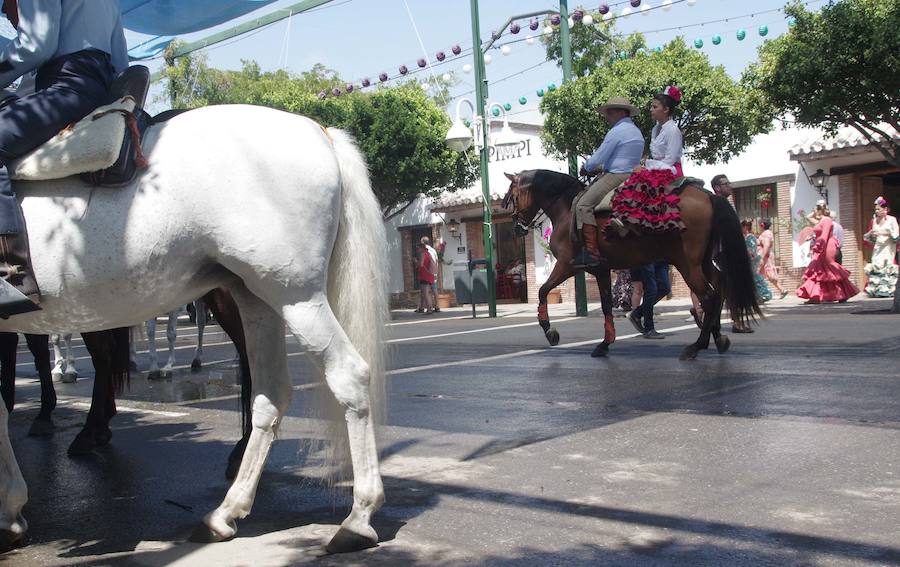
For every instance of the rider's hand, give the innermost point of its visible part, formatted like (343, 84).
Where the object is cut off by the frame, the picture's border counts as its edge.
(638, 169)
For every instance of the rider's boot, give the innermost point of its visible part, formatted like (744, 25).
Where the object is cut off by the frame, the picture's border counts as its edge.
(22, 295)
(589, 256)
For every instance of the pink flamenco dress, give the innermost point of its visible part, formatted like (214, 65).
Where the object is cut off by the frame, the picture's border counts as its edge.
(824, 279)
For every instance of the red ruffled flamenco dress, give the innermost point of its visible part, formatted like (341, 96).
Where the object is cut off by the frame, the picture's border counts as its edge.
(825, 280)
(647, 203)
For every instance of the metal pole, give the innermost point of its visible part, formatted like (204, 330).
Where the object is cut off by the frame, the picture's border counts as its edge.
(481, 93)
(565, 43)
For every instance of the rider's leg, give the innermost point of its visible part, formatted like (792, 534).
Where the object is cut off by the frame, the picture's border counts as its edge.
(587, 223)
(67, 89)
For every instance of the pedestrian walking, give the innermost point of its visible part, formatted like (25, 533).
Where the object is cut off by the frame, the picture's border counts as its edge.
(434, 263)
(655, 283)
(426, 279)
(882, 236)
(763, 293)
(824, 279)
(767, 256)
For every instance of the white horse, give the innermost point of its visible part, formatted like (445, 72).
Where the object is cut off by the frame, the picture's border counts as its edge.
(154, 372)
(63, 361)
(265, 203)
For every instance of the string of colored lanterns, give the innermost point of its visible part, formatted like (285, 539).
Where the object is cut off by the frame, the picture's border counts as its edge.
(577, 17)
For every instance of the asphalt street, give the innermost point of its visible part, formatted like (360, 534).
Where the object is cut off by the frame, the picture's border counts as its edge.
(500, 450)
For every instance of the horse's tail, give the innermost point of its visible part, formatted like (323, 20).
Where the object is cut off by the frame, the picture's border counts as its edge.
(727, 252)
(357, 273)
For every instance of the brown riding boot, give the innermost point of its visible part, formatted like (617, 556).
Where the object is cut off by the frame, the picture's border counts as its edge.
(589, 256)
(16, 269)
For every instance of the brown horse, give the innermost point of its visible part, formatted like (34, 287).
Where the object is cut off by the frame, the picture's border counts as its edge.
(710, 254)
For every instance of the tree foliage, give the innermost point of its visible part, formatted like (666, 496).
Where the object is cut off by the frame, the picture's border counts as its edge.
(399, 129)
(840, 66)
(712, 116)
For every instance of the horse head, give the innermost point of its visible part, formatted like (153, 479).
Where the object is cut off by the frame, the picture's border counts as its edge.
(524, 208)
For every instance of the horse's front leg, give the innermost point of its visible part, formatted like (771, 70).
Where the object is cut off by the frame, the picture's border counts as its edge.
(39, 345)
(561, 272)
(200, 316)
(604, 282)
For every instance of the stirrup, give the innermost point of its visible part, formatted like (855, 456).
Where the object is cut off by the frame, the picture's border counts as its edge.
(13, 301)
(585, 260)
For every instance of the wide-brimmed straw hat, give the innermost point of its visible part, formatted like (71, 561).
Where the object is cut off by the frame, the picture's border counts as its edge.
(620, 102)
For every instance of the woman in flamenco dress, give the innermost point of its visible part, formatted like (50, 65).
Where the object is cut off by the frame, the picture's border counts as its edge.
(824, 279)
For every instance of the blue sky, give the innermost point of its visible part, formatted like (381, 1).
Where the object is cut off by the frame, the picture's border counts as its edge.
(361, 38)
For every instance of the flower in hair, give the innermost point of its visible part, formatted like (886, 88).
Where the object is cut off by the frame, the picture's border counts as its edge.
(673, 92)
(881, 202)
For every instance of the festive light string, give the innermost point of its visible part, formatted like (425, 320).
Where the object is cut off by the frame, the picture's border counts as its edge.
(577, 16)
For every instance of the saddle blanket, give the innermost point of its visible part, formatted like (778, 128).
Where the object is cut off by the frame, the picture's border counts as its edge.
(92, 144)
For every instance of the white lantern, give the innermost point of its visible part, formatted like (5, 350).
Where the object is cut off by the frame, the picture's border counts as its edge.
(447, 77)
(645, 9)
(626, 11)
(667, 5)
(467, 68)
(548, 30)
(488, 58)
(529, 40)
(571, 23)
(607, 16)
(587, 19)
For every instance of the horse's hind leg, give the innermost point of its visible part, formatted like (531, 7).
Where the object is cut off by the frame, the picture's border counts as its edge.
(347, 376)
(110, 371)
(711, 303)
(604, 282)
(8, 344)
(171, 337)
(200, 316)
(228, 316)
(13, 491)
(39, 345)
(264, 333)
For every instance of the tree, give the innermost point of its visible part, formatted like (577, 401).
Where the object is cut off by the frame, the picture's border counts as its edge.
(712, 116)
(840, 66)
(399, 129)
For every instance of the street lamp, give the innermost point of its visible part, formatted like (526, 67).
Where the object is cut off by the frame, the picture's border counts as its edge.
(453, 229)
(819, 180)
(459, 137)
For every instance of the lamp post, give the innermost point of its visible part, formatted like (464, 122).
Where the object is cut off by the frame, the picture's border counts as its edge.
(481, 93)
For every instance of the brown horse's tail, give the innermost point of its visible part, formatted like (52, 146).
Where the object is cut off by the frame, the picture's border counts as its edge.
(727, 255)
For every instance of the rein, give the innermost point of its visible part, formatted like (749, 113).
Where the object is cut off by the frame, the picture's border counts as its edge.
(540, 217)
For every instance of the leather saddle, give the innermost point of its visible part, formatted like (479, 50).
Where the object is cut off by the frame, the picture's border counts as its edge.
(133, 82)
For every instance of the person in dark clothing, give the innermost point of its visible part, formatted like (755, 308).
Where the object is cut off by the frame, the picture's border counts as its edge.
(655, 280)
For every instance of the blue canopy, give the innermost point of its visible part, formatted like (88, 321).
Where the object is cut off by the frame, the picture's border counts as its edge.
(165, 19)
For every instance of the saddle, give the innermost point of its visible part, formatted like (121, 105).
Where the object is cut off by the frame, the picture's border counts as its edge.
(104, 148)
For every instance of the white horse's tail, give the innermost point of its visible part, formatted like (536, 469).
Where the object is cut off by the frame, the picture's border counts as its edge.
(357, 273)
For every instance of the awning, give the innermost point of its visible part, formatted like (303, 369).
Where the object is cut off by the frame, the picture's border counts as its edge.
(165, 19)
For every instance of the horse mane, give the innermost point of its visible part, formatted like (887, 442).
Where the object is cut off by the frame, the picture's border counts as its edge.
(551, 183)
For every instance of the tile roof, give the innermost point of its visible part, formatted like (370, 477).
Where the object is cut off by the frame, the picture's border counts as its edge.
(847, 138)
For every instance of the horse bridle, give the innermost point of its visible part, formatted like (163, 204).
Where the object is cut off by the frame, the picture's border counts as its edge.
(521, 228)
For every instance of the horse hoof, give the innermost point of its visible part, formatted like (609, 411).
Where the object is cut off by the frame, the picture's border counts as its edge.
(83, 444)
(69, 378)
(154, 375)
(347, 541)
(102, 437)
(196, 365)
(10, 540)
(689, 353)
(41, 428)
(552, 336)
(206, 534)
(722, 344)
(600, 351)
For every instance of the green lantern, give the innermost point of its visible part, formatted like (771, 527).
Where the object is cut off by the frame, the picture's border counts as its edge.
(698, 43)
(523, 100)
(716, 39)
(540, 92)
(495, 111)
(741, 34)
(551, 87)
(764, 30)
(507, 107)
